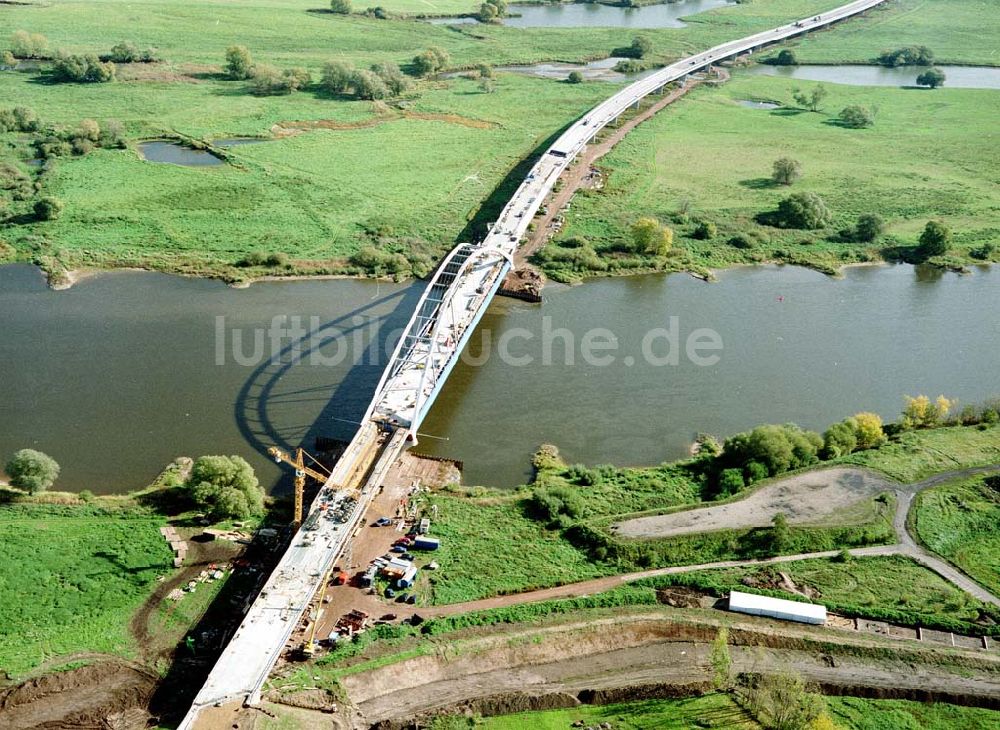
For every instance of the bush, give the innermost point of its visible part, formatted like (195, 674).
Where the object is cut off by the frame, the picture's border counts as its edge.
(337, 77)
(906, 56)
(803, 210)
(260, 258)
(785, 57)
(48, 208)
(731, 481)
(856, 116)
(269, 81)
(984, 252)
(575, 77)
(935, 239)
(19, 119)
(367, 85)
(239, 63)
(629, 66)
(933, 78)
(705, 231)
(82, 69)
(392, 77)
(868, 228)
(778, 448)
(341, 7)
(430, 61)
(786, 171)
(840, 439)
(32, 471)
(742, 240)
(128, 52)
(28, 45)
(641, 46)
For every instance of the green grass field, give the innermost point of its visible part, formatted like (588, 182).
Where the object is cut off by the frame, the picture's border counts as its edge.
(891, 587)
(958, 31)
(70, 580)
(916, 455)
(854, 713)
(407, 184)
(930, 155)
(961, 522)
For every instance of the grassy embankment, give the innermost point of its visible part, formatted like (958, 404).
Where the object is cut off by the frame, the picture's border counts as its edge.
(70, 579)
(410, 185)
(477, 558)
(716, 710)
(76, 568)
(925, 158)
(958, 521)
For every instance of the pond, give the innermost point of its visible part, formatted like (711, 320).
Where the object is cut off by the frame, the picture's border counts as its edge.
(594, 15)
(751, 104)
(238, 141)
(124, 371)
(601, 70)
(956, 77)
(177, 154)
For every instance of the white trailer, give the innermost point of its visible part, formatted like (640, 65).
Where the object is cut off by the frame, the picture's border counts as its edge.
(751, 603)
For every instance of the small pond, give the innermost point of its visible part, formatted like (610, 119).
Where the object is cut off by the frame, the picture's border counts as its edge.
(593, 15)
(751, 104)
(177, 154)
(958, 77)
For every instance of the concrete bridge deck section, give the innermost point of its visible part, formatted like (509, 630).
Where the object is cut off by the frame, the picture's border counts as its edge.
(446, 316)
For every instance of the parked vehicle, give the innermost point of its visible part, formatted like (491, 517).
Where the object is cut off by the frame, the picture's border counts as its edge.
(397, 549)
(382, 522)
(411, 599)
(426, 543)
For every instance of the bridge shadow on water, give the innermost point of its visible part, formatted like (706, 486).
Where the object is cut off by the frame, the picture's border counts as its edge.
(376, 325)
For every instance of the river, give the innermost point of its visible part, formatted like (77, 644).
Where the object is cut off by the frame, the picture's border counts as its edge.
(119, 374)
(595, 15)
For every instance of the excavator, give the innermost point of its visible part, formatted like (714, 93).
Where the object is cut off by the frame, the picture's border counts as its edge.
(301, 472)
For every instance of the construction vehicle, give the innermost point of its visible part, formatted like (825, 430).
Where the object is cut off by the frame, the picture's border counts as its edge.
(308, 648)
(301, 472)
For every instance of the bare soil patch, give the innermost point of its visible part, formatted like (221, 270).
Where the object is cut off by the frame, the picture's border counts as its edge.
(803, 498)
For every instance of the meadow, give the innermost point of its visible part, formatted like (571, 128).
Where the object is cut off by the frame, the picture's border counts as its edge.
(929, 155)
(71, 578)
(960, 522)
(407, 177)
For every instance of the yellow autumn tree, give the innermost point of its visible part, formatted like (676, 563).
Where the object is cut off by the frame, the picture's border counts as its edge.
(652, 237)
(868, 430)
(920, 412)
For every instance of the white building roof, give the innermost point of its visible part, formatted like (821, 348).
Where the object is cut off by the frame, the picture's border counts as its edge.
(755, 605)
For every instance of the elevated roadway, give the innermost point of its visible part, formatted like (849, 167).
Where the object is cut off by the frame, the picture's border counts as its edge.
(448, 312)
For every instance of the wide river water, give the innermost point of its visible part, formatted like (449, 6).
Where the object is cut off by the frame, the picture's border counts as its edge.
(127, 370)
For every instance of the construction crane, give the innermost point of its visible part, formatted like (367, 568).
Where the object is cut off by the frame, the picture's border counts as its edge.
(301, 472)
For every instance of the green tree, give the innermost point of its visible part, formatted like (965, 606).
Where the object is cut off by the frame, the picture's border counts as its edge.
(641, 46)
(32, 471)
(367, 85)
(935, 239)
(856, 116)
(392, 77)
(486, 71)
(731, 482)
(8, 60)
(487, 85)
(226, 487)
(239, 63)
(868, 228)
(840, 439)
(906, 56)
(26, 119)
(488, 13)
(652, 237)
(575, 77)
(721, 661)
(785, 57)
(782, 701)
(781, 533)
(777, 448)
(48, 208)
(341, 7)
(786, 171)
(430, 61)
(803, 210)
(81, 69)
(812, 100)
(28, 45)
(932, 77)
(337, 77)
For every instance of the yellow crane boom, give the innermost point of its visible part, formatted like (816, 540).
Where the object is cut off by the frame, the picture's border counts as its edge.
(301, 472)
